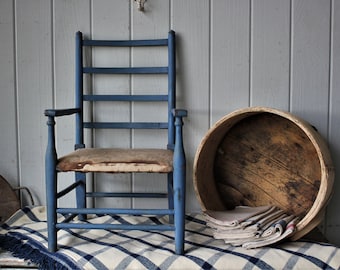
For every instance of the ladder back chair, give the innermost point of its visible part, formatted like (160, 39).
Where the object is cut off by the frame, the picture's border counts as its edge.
(169, 160)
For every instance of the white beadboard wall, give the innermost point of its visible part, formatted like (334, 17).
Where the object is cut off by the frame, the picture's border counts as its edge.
(231, 54)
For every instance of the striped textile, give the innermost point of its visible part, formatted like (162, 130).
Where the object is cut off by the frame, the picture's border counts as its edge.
(24, 234)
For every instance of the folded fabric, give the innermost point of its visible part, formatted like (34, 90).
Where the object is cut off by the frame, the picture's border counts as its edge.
(234, 217)
(278, 226)
(234, 229)
(251, 227)
(240, 241)
(281, 231)
(266, 222)
(276, 237)
(256, 220)
(252, 224)
(236, 232)
(234, 235)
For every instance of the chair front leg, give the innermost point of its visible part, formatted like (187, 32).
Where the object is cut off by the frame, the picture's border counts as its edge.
(179, 206)
(179, 176)
(51, 186)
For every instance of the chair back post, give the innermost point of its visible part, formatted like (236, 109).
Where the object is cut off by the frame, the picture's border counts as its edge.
(79, 90)
(171, 87)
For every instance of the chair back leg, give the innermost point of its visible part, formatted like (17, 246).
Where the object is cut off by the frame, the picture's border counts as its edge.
(81, 193)
(171, 196)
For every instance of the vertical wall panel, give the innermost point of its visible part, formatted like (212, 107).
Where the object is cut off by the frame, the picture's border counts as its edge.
(191, 21)
(270, 53)
(34, 83)
(8, 139)
(229, 56)
(310, 61)
(333, 217)
(111, 20)
(143, 26)
(68, 17)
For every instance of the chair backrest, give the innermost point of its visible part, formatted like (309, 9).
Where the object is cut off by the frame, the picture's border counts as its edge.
(83, 97)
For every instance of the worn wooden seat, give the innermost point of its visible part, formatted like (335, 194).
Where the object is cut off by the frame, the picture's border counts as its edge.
(117, 160)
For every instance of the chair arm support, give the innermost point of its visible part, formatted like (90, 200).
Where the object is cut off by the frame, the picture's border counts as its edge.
(61, 112)
(179, 153)
(51, 153)
(179, 114)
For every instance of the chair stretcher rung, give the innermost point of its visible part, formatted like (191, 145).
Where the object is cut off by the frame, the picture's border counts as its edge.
(126, 70)
(117, 211)
(69, 218)
(127, 125)
(127, 194)
(68, 189)
(107, 226)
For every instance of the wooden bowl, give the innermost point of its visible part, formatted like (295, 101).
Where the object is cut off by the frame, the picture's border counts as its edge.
(263, 156)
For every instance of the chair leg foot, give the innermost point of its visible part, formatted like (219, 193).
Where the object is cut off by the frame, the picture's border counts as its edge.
(179, 234)
(179, 222)
(180, 251)
(52, 242)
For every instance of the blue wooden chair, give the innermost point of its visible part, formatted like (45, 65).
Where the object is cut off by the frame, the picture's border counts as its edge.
(169, 160)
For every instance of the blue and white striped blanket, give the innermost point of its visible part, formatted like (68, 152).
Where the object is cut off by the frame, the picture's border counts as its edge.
(24, 234)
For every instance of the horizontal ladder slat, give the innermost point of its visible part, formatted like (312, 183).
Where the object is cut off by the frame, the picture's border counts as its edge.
(127, 194)
(125, 97)
(126, 125)
(126, 43)
(126, 70)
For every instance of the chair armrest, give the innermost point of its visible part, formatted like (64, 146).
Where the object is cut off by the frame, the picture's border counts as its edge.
(179, 112)
(61, 112)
